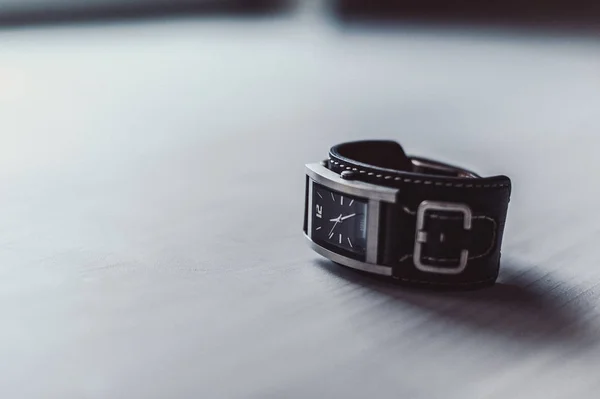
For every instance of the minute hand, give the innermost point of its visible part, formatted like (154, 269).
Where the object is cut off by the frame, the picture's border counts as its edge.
(348, 216)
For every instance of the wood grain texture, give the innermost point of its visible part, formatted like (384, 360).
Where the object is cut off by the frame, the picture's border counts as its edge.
(151, 194)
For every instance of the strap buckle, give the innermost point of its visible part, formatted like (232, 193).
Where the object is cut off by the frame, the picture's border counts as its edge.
(421, 235)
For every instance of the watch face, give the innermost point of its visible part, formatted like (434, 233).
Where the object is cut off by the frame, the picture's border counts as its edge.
(338, 220)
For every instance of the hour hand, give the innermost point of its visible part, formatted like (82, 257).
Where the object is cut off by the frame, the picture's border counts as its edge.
(337, 219)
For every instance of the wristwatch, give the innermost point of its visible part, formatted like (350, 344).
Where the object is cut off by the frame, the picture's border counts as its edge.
(371, 207)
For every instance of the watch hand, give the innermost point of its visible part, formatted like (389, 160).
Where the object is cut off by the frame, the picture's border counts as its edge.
(348, 216)
(337, 220)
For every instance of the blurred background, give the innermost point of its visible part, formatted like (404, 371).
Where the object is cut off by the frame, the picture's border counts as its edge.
(576, 14)
(152, 193)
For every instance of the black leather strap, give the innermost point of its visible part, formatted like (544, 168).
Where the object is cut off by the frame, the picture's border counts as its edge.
(444, 234)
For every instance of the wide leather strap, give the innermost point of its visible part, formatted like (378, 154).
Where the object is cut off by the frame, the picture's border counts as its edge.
(445, 229)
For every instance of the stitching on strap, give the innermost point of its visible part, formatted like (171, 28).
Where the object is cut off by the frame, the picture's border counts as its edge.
(426, 182)
(405, 209)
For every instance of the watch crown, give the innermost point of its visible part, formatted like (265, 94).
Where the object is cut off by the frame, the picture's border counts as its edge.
(347, 175)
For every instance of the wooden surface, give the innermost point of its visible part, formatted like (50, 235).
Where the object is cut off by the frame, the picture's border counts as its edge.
(151, 194)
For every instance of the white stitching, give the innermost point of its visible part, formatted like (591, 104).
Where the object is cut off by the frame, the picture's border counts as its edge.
(458, 185)
(402, 259)
(441, 217)
(405, 209)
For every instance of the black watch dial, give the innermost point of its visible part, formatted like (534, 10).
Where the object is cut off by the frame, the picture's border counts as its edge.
(338, 220)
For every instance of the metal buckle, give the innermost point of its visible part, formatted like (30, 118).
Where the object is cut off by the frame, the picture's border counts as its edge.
(421, 235)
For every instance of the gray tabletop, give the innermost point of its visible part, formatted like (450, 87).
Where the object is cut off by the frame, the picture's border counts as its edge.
(151, 205)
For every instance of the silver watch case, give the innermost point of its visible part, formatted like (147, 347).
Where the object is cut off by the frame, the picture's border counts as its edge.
(374, 195)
